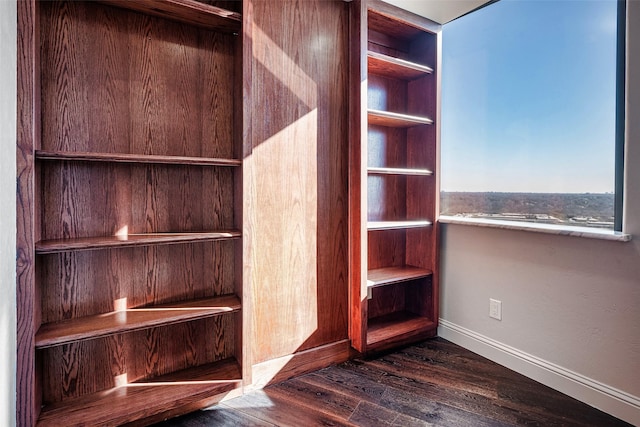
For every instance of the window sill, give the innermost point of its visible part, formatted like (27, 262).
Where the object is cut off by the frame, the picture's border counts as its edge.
(564, 230)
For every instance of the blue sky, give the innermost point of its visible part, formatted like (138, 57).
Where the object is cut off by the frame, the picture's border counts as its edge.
(528, 97)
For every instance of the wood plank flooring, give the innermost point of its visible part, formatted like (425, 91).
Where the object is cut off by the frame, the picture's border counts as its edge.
(431, 383)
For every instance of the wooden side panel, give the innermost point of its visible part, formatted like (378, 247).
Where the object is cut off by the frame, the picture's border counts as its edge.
(358, 174)
(28, 399)
(297, 167)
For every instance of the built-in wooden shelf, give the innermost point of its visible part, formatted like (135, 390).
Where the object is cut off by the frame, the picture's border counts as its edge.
(395, 326)
(185, 11)
(138, 400)
(134, 158)
(390, 275)
(398, 171)
(389, 66)
(82, 328)
(86, 243)
(397, 225)
(396, 120)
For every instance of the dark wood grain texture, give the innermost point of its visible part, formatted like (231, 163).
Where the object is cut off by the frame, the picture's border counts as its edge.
(431, 383)
(295, 176)
(187, 11)
(28, 395)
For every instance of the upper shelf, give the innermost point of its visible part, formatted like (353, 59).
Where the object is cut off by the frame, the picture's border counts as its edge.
(134, 158)
(186, 11)
(389, 66)
(397, 120)
(398, 171)
(397, 225)
(85, 243)
(58, 333)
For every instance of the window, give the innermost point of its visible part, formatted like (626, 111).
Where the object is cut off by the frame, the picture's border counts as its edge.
(530, 113)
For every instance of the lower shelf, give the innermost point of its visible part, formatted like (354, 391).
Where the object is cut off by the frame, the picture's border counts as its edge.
(390, 275)
(389, 329)
(139, 400)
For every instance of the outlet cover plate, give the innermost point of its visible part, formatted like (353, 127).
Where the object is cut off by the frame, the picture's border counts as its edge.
(495, 309)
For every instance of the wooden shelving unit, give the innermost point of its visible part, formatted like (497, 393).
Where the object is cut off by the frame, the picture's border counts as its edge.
(131, 307)
(393, 177)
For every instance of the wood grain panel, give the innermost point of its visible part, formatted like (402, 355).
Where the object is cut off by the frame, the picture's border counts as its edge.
(387, 299)
(297, 224)
(142, 198)
(192, 12)
(125, 82)
(28, 396)
(386, 147)
(386, 197)
(386, 248)
(358, 162)
(387, 94)
(88, 367)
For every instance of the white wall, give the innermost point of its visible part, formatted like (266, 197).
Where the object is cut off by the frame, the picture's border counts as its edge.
(571, 306)
(7, 212)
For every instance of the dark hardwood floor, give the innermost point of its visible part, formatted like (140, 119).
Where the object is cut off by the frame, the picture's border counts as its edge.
(431, 383)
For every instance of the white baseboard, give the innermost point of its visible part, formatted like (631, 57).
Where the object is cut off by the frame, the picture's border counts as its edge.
(594, 393)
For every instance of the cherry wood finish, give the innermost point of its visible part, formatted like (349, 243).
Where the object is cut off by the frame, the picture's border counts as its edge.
(128, 209)
(393, 161)
(134, 158)
(295, 180)
(389, 275)
(128, 240)
(130, 403)
(115, 322)
(395, 68)
(187, 11)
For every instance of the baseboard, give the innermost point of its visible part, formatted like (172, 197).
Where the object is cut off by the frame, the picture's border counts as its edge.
(283, 368)
(594, 393)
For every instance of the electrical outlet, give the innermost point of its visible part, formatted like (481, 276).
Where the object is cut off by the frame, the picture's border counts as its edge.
(495, 309)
